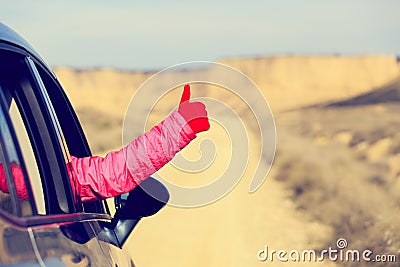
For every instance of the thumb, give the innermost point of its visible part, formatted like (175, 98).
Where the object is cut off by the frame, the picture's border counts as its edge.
(186, 94)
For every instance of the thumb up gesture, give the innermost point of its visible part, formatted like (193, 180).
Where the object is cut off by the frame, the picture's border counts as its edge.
(194, 113)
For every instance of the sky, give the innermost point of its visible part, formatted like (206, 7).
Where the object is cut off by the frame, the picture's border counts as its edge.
(152, 35)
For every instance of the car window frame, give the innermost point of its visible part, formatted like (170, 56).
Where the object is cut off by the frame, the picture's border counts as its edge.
(42, 134)
(62, 183)
(52, 215)
(73, 138)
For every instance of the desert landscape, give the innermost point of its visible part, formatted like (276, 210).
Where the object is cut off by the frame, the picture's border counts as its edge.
(336, 172)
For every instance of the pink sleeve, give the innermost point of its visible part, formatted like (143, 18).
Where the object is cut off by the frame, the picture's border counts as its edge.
(19, 181)
(121, 171)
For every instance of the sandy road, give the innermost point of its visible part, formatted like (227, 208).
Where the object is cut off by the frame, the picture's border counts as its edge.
(228, 232)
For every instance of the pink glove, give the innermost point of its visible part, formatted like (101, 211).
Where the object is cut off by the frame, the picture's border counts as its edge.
(194, 113)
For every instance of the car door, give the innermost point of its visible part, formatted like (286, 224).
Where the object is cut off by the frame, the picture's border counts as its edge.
(43, 223)
(74, 143)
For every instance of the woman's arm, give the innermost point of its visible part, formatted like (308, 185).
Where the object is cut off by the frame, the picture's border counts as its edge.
(19, 181)
(121, 171)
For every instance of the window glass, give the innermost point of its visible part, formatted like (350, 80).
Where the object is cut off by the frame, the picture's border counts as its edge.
(29, 157)
(14, 194)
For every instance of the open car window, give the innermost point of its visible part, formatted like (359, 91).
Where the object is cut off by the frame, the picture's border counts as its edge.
(47, 132)
(36, 137)
(70, 132)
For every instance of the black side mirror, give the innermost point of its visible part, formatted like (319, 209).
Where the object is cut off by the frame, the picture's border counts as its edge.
(143, 201)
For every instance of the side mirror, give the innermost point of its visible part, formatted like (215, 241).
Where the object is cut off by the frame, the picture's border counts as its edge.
(143, 201)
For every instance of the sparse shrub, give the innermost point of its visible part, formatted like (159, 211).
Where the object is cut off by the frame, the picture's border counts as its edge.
(345, 191)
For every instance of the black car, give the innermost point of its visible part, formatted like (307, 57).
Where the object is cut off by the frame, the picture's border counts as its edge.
(39, 130)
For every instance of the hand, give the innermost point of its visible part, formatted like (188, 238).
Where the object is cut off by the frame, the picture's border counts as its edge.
(195, 113)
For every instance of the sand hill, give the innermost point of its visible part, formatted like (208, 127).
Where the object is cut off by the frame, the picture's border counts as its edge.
(335, 174)
(287, 81)
(292, 81)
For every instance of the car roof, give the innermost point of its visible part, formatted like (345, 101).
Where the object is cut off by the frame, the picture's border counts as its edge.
(10, 36)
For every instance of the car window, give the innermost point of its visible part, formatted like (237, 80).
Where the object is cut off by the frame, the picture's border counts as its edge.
(43, 88)
(37, 133)
(71, 133)
(48, 134)
(28, 154)
(15, 190)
